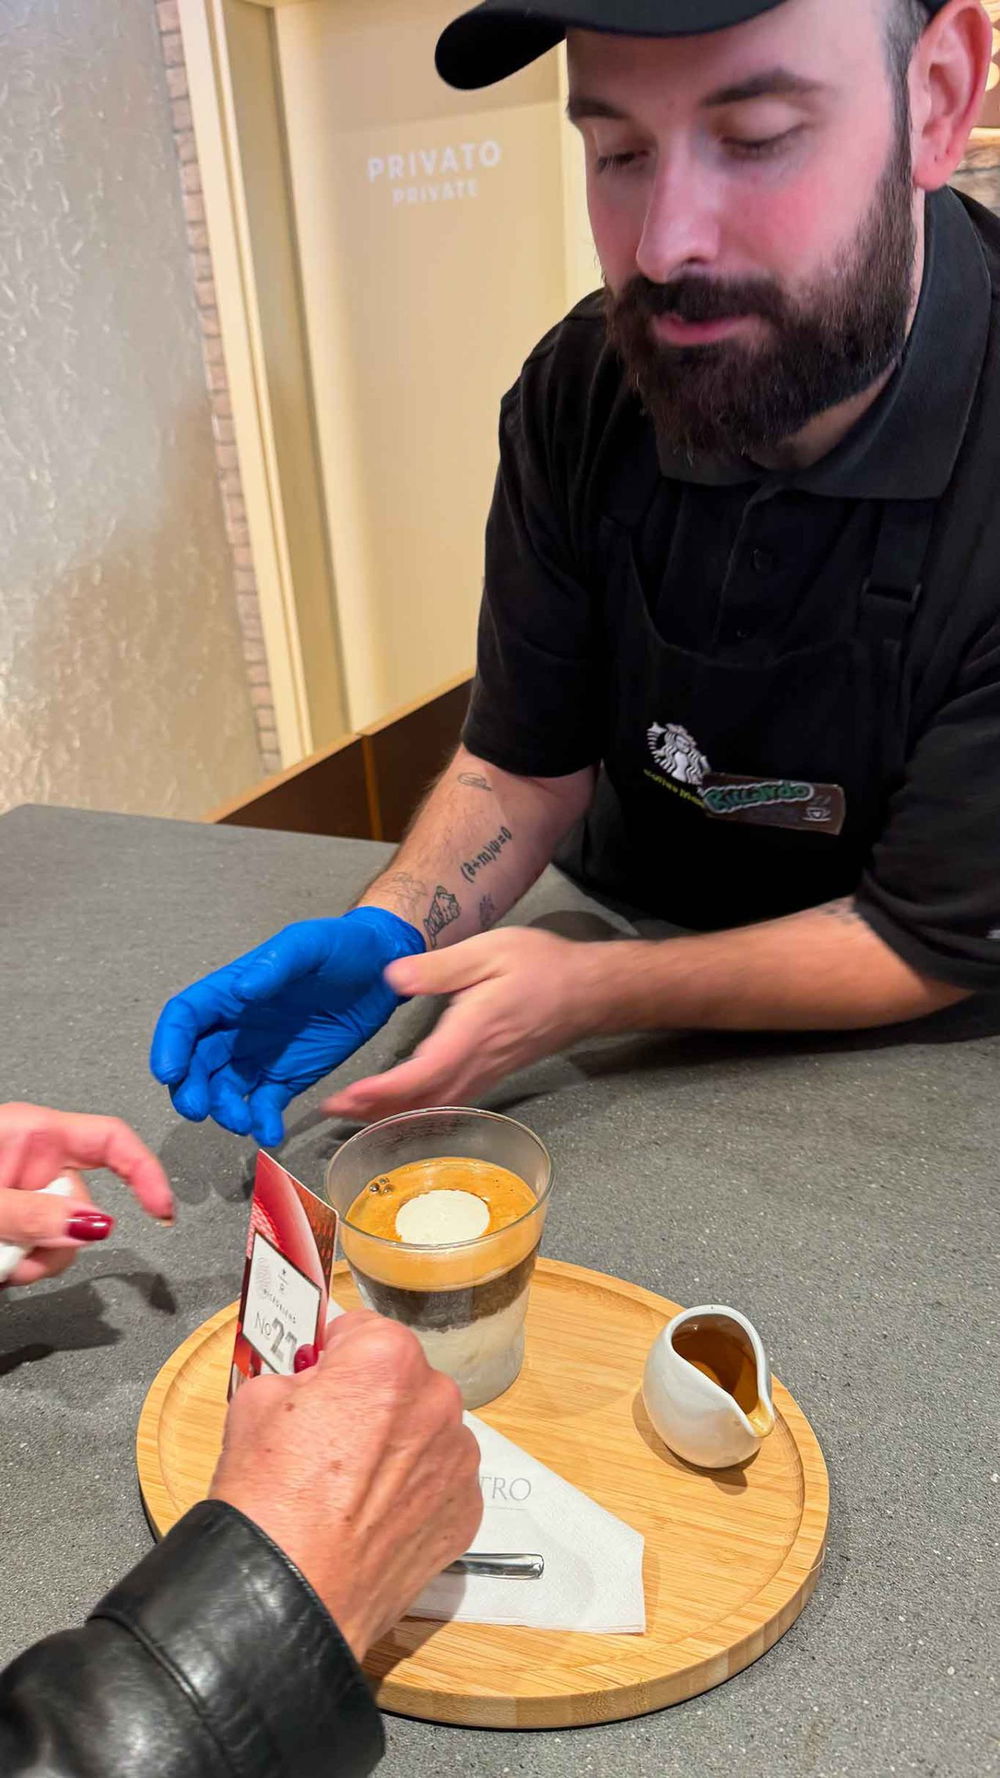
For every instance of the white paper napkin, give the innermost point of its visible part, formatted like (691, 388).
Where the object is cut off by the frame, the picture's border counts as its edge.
(593, 1562)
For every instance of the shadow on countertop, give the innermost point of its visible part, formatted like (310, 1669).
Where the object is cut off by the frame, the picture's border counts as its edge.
(31, 1318)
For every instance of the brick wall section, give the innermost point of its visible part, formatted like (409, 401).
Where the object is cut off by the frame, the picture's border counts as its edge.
(226, 459)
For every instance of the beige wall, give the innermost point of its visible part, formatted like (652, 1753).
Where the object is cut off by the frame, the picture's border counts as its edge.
(432, 234)
(121, 679)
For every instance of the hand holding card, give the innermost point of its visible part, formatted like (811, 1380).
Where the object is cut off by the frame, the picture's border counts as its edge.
(400, 1502)
(283, 1307)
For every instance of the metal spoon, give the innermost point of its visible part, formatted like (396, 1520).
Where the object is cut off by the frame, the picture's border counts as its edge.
(504, 1567)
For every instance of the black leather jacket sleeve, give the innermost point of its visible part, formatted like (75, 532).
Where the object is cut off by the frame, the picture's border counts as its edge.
(213, 1658)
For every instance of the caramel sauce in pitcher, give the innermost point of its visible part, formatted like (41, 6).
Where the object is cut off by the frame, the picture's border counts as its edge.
(725, 1360)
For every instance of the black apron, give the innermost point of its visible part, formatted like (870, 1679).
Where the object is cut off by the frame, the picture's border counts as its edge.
(832, 715)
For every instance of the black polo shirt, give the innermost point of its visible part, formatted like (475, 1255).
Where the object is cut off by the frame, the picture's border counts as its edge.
(745, 567)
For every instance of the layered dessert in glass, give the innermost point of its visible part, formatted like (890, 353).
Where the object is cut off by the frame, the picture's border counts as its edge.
(441, 1219)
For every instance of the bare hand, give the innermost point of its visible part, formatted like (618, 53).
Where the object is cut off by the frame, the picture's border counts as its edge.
(516, 995)
(36, 1146)
(360, 1469)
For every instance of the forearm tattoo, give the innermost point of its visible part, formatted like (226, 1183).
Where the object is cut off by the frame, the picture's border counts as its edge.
(490, 851)
(444, 909)
(487, 913)
(408, 891)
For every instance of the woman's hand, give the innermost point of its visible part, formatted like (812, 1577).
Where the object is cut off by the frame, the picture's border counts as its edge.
(38, 1145)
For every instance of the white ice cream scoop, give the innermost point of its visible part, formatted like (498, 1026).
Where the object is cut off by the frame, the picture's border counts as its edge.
(437, 1218)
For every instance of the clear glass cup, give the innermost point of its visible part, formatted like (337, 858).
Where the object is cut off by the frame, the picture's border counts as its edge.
(464, 1300)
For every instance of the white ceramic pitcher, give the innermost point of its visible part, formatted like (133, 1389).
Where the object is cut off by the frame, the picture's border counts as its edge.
(707, 1387)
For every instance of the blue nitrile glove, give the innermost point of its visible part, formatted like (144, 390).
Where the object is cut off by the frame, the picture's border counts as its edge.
(239, 1044)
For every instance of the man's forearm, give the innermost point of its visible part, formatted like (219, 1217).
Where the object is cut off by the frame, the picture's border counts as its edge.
(518, 995)
(825, 969)
(479, 841)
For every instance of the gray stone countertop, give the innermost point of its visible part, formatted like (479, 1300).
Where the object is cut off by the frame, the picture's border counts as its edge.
(842, 1191)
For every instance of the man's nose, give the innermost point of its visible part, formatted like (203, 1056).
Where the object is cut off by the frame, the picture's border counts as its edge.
(681, 226)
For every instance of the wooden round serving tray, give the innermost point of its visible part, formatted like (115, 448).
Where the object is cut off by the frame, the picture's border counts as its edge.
(732, 1556)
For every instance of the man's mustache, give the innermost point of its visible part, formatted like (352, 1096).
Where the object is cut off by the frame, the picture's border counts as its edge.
(700, 300)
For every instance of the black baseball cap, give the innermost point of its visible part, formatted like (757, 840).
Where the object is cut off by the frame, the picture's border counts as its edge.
(496, 39)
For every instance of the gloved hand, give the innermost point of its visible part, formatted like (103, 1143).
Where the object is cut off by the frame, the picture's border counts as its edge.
(242, 1042)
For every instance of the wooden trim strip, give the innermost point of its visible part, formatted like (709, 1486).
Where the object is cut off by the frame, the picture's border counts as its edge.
(366, 786)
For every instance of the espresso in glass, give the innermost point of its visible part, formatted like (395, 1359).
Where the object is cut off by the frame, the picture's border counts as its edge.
(443, 1236)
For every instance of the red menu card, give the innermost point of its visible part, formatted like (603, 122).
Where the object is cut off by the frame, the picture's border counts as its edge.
(290, 1249)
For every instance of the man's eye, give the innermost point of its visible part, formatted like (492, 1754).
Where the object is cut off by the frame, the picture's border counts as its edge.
(762, 149)
(610, 163)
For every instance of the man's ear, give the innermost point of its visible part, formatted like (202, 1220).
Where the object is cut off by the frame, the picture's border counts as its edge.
(947, 82)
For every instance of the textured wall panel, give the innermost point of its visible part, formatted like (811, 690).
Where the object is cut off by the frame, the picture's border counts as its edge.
(121, 679)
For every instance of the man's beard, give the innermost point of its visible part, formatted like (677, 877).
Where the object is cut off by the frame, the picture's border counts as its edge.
(732, 399)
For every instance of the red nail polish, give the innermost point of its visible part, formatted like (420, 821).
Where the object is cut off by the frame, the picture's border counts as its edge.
(90, 1225)
(305, 1358)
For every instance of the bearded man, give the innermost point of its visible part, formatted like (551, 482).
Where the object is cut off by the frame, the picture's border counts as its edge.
(739, 654)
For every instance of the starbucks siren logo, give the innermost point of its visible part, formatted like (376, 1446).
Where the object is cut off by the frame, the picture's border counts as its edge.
(678, 754)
